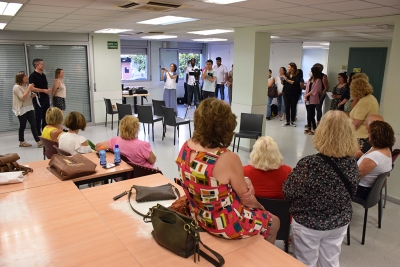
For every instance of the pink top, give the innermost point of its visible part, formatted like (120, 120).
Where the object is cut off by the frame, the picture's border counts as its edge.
(137, 151)
(315, 91)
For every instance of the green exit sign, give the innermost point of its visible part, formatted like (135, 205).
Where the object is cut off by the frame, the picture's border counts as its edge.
(112, 45)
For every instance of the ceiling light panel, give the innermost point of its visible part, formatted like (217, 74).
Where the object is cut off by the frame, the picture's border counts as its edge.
(111, 30)
(159, 37)
(223, 2)
(210, 40)
(9, 9)
(210, 32)
(167, 20)
(2, 25)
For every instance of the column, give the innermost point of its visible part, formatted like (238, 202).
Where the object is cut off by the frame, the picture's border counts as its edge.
(251, 63)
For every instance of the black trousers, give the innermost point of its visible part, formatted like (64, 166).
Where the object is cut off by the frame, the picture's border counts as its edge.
(40, 113)
(185, 96)
(319, 108)
(291, 106)
(207, 94)
(311, 116)
(221, 88)
(28, 116)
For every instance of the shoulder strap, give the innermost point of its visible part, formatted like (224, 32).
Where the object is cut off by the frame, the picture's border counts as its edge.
(339, 172)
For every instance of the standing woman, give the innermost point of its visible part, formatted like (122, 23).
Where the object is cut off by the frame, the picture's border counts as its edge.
(338, 90)
(271, 81)
(291, 85)
(230, 85)
(170, 79)
(23, 108)
(279, 86)
(312, 98)
(347, 105)
(59, 90)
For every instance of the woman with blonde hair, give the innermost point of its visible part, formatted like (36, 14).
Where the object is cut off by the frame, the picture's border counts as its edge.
(54, 119)
(321, 187)
(137, 151)
(367, 104)
(266, 170)
(220, 199)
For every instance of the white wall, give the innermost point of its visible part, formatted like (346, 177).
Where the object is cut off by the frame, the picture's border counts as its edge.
(281, 54)
(312, 56)
(225, 51)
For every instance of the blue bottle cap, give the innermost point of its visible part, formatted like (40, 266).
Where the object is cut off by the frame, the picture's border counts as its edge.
(116, 146)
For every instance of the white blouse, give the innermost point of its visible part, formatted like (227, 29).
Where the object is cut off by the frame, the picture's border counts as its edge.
(170, 83)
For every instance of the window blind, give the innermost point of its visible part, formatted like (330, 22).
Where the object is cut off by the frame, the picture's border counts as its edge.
(73, 60)
(12, 60)
(133, 47)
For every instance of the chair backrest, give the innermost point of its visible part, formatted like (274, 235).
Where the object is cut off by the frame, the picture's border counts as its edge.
(157, 107)
(109, 108)
(62, 152)
(280, 208)
(169, 116)
(139, 171)
(395, 154)
(251, 122)
(123, 110)
(375, 193)
(48, 147)
(145, 114)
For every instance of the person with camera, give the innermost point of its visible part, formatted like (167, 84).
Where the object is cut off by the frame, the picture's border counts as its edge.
(192, 82)
(209, 76)
(170, 81)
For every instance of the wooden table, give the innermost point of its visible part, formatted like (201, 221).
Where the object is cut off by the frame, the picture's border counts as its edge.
(135, 99)
(136, 235)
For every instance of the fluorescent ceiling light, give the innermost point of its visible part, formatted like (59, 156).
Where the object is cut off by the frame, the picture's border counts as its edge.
(167, 20)
(222, 2)
(113, 30)
(3, 6)
(11, 9)
(159, 37)
(324, 43)
(210, 40)
(2, 25)
(274, 37)
(210, 32)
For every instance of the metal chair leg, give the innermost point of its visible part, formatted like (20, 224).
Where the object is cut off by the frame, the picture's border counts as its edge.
(190, 131)
(174, 134)
(238, 145)
(164, 126)
(348, 235)
(118, 129)
(144, 128)
(152, 128)
(148, 128)
(112, 121)
(380, 213)
(364, 226)
(178, 130)
(384, 203)
(105, 124)
(234, 141)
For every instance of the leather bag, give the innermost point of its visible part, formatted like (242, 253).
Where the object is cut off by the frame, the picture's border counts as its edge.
(68, 167)
(161, 192)
(8, 163)
(273, 91)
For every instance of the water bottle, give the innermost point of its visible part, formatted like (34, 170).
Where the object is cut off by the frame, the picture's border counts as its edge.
(117, 155)
(103, 160)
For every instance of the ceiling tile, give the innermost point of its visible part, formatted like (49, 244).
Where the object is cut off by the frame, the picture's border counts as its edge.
(261, 15)
(374, 12)
(5, 19)
(25, 23)
(293, 19)
(333, 16)
(38, 14)
(227, 10)
(27, 19)
(84, 17)
(312, 2)
(26, 28)
(347, 5)
(265, 4)
(48, 9)
(300, 11)
(260, 22)
(385, 2)
(67, 3)
(97, 12)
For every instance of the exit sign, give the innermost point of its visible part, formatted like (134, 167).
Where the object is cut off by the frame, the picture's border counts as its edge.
(112, 45)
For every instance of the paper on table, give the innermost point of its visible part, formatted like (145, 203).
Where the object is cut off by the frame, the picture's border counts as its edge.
(329, 94)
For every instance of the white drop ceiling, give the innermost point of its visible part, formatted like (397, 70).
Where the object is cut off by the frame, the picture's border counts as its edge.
(85, 16)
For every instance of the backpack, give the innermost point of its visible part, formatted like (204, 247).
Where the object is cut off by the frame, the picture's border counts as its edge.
(274, 110)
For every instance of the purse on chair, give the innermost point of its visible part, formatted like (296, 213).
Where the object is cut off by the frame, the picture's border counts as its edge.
(172, 230)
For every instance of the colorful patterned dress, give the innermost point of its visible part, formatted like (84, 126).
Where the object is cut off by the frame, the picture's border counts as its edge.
(215, 206)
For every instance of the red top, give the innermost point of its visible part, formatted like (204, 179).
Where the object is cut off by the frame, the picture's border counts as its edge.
(268, 184)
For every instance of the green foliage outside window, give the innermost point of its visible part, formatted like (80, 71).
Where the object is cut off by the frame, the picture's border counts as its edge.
(183, 59)
(140, 61)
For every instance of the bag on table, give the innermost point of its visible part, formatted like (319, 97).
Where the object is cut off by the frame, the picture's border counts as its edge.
(8, 163)
(69, 167)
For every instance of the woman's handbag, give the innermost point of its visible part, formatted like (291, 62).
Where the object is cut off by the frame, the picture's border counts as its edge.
(273, 91)
(68, 167)
(8, 163)
(175, 232)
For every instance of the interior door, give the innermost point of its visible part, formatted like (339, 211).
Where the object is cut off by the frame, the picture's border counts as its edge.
(372, 62)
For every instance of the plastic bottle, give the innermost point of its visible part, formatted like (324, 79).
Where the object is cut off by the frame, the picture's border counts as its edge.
(117, 155)
(102, 154)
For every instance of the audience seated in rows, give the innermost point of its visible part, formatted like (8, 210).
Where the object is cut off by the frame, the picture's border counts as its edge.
(266, 170)
(137, 151)
(54, 120)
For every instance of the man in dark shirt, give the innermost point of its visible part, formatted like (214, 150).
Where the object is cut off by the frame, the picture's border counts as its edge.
(366, 145)
(41, 102)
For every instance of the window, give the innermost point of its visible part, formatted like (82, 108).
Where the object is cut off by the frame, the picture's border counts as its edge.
(134, 67)
(183, 59)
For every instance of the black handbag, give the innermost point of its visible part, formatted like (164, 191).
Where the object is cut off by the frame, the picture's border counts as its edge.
(273, 91)
(174, 231)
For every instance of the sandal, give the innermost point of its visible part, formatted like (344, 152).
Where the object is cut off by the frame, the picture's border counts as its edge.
(24, 144)
(39, 144)
(312, 132)
(307, 131)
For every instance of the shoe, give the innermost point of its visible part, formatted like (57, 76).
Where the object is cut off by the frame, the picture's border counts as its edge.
(306, 131)
(24, 144)
(39, 144)
(292, 124)
(285, 124)
(312, 132)
(185, 105)
(268, 118)
(283, 117)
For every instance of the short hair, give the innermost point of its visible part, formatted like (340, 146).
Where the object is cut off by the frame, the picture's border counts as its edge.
(266, 155)
(129, 127)
(19, 77)
(57, 72)
(381, 135)
(335, 135)
(174, 65)
(75, 121)
(212, 62)
(360, 88)
(54, 116)
(36, 61)
(214, 124)
(294, 66)
(218, 58)
(360, 76)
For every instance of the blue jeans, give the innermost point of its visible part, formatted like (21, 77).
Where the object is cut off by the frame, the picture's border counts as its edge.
(269, 106)
(281, 105)
(221, 88)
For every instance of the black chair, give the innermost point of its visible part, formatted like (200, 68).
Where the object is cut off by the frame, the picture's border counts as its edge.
(123, 110)
(139, 171)
(374, 197)
(280, 208)
(48, 147)
(250, 127)
(171, 120)
(61, 151)
(109, 110)
(145, 115)
(395, 154)
(157, 107)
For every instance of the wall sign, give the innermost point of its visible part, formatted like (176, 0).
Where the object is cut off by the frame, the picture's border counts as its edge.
(357, 70)
(112, 44)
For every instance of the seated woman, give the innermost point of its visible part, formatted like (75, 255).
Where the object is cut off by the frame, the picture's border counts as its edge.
(266, 170)
(137, 151)
(72, 142)
(54, 120)
(220, 199)
(378, 159)
(321, 207)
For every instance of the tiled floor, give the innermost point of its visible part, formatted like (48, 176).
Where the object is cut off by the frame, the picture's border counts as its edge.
(382, 245)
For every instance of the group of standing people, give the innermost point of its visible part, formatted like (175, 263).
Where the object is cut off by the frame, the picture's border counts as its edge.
(31, 99)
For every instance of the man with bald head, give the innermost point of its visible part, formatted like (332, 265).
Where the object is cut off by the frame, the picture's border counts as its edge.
(367, 146)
